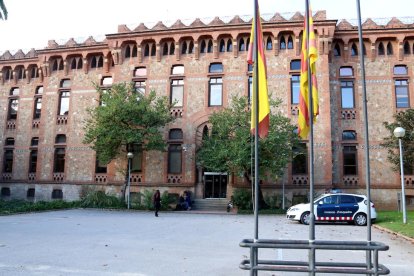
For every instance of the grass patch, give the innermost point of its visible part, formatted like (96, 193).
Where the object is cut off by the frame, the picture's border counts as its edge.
(393, 221)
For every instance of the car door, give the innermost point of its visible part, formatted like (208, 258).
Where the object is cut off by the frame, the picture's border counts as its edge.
(348, 207)
(327, 207)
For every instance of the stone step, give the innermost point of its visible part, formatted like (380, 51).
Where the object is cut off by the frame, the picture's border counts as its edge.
(210, 204)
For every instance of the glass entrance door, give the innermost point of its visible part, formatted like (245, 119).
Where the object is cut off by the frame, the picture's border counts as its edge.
(215, 185)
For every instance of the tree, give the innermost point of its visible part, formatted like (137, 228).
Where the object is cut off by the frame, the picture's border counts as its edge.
(124, 118)
(229, 147)
(405, 120)
(3, 10)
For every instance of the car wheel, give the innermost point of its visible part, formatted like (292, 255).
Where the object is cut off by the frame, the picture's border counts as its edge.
(360, 219)
(305, 218)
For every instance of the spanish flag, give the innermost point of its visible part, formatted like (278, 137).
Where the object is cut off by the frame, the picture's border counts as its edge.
(257, 57)
(308, 56)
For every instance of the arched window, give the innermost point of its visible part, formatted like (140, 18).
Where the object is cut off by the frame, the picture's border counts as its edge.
(242, 46)
(407, 50)
(134, 51)
(290, 42)
(146, 51)
(184, 48)
(165, 49)
(73, 64)
(203, 47)
(229, 45)
(210, 46)
(247, 44)
(55, 65)
(93, 62)
(172, 48)
(100, 61)
(389, 49)
(191, 47)
(354, 50)
(282, 43)
(153, 50)
(269, 45)
(381, 50)
(337, 51)
(127, 52)
(222, 46)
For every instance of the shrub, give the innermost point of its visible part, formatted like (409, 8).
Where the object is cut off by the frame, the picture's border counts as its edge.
(99, 199)
(166, 200)
(242, 198)
(274, 201)
(21, 206)
(147, 199)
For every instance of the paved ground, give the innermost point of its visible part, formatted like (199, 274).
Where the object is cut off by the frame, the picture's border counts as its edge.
(97, 242)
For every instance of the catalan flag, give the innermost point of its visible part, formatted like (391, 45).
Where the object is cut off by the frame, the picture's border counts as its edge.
(256, 56)
(308, 56)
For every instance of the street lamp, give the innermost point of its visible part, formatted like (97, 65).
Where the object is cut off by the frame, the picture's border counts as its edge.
(399, 132)
(130, 155)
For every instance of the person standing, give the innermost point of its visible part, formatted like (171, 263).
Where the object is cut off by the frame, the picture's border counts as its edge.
(157, 201)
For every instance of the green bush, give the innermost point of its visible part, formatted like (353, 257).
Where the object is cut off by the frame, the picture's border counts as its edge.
(166, 200)
(147, 199)
(21, 206)
(242, 199)
(274, 201)
(99, 199)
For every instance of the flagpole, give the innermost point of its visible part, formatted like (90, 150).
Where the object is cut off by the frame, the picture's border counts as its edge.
(311, 167)
(256, 136)
(366, 140)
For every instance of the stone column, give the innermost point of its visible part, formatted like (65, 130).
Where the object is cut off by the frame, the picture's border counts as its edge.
(199, 188)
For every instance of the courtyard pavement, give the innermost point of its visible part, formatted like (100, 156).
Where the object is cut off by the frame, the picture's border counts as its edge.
(135, 243)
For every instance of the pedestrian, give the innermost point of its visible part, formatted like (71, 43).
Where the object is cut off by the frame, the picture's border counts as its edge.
(157, 201)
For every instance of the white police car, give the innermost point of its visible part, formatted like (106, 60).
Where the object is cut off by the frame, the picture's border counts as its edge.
(334, 207)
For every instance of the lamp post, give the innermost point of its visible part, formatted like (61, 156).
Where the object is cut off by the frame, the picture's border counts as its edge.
(399, 132)
(130, 155)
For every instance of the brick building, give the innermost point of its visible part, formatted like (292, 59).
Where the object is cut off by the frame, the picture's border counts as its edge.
(44, 95)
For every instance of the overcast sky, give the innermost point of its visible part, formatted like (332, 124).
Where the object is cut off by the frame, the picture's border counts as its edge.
(32, 23)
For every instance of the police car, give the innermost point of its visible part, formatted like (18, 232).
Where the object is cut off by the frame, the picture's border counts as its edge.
(334, 207)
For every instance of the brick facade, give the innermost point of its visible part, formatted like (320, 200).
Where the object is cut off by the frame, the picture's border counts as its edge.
(158, 49)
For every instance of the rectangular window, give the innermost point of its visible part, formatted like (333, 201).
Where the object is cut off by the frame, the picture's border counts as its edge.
(401, 93)
(174, 159)
(347, 94)
(350, 160)
(140, 87)
(33, 161)
(295, 88)
(100, 167)
(8, 161)
(13, 108)
(37, 108)
(136, 162)
(59, 164)
(64, 103)
(299, 162)
(215, 92)
(177, 92)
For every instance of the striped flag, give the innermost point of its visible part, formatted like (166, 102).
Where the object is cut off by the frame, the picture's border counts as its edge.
(259, 77)
(311, 56)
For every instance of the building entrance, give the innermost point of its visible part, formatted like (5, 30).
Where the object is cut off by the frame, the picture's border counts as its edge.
(215, 185)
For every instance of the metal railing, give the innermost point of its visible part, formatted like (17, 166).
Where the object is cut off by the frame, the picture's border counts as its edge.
(319, 267)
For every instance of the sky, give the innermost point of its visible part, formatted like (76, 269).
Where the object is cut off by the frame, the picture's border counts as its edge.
(31, 24)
